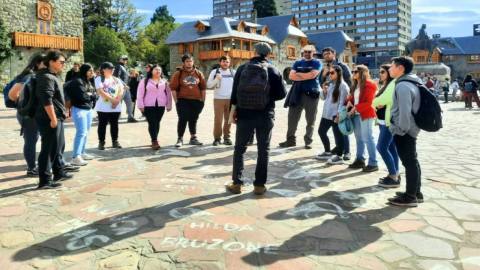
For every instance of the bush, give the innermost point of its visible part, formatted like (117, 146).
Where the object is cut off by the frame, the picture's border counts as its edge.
(102, 45)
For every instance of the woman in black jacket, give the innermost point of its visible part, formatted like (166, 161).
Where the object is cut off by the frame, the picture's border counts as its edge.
(133, 81)
(81, 94)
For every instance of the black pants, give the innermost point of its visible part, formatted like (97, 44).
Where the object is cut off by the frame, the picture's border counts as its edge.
(49, 159)
(188, 111)
(105, 118)
(262, 125)
(445, 95)
(407, 151)
(154, 116)
(325, 125)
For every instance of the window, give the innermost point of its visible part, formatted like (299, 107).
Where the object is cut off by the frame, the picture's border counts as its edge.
(474, 58)
(291, 52)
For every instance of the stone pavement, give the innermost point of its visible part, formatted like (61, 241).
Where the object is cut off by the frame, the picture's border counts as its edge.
(138, 209)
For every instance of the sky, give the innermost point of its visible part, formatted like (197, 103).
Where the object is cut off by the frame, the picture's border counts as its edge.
(449, 18)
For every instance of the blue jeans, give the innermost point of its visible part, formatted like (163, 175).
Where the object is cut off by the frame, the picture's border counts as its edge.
(363, 130)
(387, 149)
(30, 137)
(83, 121)
(346, 144)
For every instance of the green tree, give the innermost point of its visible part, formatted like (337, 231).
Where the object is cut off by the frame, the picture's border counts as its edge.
(265, 8)
(103, 44)
(162, 14)
(5, 43)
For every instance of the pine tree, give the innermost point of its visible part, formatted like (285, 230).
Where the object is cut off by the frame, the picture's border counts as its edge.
(265, 8)
(162, 15)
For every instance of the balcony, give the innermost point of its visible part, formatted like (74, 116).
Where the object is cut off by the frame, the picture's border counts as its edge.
(234, 54)
(33, 40)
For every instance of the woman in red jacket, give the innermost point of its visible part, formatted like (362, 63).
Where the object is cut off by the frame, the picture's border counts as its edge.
(359, 103)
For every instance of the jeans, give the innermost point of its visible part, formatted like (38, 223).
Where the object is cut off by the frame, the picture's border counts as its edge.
(310, 106)
(127, 97)
(105, 118)
(346, 144)
(30, 137)
(154, 115)
(387, 149)
(188, 111)
(407, 151)
(82, 119)
(262, 124)
(49, 159)
(363, 130)
(325, 125)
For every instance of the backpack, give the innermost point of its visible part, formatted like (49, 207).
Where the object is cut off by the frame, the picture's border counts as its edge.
(469, 86)
(27, 101)
(429, 114)
(8, 102)
(253, 91)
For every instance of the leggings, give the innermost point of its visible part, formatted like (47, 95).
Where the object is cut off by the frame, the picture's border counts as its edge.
(154, 116)
(105, 118)
(188, 111)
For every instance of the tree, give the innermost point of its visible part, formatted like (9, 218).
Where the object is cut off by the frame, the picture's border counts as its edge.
(162, 15)
(102, 45)
(265, 8)
(5, 43)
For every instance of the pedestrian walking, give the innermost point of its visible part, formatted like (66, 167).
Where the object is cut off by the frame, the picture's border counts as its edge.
(154, 98)
(133, 81)
(108, 106)
(121, 73)
(446, 89)
(257, 85)
(188, 90)
(470, 87)
(455, 87)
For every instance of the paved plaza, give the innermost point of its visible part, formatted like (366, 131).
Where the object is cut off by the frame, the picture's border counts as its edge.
(135, 208)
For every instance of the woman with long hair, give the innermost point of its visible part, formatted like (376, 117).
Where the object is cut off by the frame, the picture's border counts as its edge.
(386, 145)
(110, 91)
(334, 97)
(153, 98)
(133, 81)
(361, 110)
(81, 94)
(29, 129)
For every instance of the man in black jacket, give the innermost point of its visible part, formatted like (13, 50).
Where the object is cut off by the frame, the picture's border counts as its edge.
(49, 115)
(121, 73)
(260, 121)
(73, 73)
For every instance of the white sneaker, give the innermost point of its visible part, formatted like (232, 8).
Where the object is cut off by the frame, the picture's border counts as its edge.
(87, 157)
(324, 156)
(78, 161)
(179, 143)
(335, 160)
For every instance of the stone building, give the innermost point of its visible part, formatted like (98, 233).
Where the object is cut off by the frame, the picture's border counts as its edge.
(208, 40)
(40, 25)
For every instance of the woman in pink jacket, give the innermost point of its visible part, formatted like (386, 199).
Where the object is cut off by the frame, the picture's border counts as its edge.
(153, 97)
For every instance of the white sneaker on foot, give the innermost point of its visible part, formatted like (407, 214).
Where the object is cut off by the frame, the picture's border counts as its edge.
(335, 160)
(78, 161)
(87, 157)
(324, 156)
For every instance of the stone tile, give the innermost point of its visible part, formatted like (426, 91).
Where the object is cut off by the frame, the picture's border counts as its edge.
(436, 264)
(462, 210)
(446, 224)
(205, 234)
(394, 255)
(472, 226)
(12, 210)
(371, 263)
(406, 225)
(296, 263)
(471, 193)
(430, 209)
(422, 246)
(470, 258)
(432, 231)
(198, 254)
(15, 238)
(123, 260)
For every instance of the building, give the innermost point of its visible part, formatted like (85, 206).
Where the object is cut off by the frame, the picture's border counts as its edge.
(345, 46)
(284, 7)
(235, 9)
(208, 40)
(39, 25)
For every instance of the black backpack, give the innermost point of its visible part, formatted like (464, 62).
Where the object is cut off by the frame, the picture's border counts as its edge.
(253, 90)
(27, 101)
(429, 114)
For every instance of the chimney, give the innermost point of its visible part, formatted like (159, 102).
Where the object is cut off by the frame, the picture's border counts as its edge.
(254, 15)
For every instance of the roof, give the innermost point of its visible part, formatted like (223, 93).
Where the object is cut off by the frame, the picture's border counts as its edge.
(458, 45)
(215, 28)
(280, 27)
(335, 39)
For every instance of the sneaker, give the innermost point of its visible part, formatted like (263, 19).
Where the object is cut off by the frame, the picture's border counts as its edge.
(399, 178)
(347, 156)
(32, 172)
(324, 156)
(87, 157)
(71, 168)
(419, 196)
(335, 160)
(101, 146)
(357, 164)
(404, 200)
(179, 143)
(49, 185)
(155, 145)
(370, 168)
(132, 120)
(308, 146)
(388, 182)
(195, 141)
(78, 161)
(234, 188)
(259, 190)
(62, 177)
(287, 143)
(116, 145)
(227, 141)
(216, 142)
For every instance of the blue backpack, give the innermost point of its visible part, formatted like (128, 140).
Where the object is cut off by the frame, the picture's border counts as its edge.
(8, 102)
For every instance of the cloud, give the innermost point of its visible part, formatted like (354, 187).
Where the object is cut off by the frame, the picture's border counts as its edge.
(193, 16)
(144, 11)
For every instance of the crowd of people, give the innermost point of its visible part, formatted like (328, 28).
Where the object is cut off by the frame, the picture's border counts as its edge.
(352, 103)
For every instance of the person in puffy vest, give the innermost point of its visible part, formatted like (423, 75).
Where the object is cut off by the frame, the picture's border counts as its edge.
(253, 104)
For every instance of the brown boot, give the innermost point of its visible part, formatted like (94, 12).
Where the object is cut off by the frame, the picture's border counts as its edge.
(155, 145)
(259, 190)
(234, 188)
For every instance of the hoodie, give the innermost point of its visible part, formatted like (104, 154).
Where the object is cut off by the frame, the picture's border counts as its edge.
(406, 100)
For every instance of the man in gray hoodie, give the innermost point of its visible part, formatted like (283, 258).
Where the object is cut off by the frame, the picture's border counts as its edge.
(406, 101)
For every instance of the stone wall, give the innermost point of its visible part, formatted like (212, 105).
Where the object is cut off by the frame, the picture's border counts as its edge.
(281, 61)
(21, 16)
(461, 67)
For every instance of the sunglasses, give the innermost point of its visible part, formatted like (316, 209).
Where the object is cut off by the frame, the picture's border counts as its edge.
(383, 72)
(355, 71)
(332, 72)
(307, 52)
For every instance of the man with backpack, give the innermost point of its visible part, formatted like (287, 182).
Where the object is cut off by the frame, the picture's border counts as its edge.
(121, 72)
(221, 80)
(256, 87)
(470, 87)
(406, 103)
